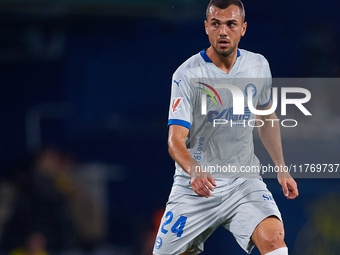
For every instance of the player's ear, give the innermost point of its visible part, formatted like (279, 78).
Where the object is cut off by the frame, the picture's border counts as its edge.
(244, 28)
(206, 27)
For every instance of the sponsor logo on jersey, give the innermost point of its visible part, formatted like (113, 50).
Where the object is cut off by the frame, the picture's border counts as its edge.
(175, 103)
(198, 152)
(158, 242)
(253, 89)
(177, 82)
(209, 93)
(227, 114)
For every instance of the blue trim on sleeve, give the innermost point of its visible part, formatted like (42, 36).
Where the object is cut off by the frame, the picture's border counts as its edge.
(265, 105)
(207, 59)
(180, 123)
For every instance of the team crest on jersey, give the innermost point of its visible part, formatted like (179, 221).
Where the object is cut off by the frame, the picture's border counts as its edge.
(175, 104)
(253, 89)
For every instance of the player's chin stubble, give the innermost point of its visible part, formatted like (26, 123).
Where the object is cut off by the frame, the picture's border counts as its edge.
(224, 53)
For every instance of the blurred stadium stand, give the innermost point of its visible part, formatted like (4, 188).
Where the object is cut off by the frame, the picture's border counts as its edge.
(90, 80)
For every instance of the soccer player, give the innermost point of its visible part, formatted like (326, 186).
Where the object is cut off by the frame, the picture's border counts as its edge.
(200, 200)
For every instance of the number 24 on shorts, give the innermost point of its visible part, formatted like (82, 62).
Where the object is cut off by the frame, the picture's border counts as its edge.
(177, 227)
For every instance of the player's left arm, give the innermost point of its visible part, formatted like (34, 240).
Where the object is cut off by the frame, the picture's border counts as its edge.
(271, 139)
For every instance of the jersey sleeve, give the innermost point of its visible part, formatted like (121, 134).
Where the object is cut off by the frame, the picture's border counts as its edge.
(265, 96)
(180, 103)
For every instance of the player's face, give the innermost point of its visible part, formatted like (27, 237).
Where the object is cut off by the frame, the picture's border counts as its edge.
(225, 27)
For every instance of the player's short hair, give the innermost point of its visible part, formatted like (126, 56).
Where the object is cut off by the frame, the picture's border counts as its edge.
(224, 4)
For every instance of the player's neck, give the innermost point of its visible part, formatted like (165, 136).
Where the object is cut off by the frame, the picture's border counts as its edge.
(223, 63)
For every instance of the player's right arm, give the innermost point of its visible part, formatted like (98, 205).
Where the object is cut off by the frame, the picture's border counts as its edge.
(271, 137)
(201, 183)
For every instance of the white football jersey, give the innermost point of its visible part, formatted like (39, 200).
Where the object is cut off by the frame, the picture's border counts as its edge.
(220, 141)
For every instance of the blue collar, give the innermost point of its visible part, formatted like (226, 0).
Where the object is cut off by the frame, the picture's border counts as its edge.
(207, 59)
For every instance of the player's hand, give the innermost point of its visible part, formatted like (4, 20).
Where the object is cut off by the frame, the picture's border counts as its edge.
(202, 184)
(289, 186)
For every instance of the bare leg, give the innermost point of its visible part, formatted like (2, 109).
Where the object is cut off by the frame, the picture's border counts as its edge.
(269, 235)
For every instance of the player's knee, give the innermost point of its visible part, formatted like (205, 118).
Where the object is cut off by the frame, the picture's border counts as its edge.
(274, 240)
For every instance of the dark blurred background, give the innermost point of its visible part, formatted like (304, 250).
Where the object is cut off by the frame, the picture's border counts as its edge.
(84, 99)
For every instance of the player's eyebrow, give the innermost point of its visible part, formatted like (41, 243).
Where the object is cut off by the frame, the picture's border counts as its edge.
(228, 21)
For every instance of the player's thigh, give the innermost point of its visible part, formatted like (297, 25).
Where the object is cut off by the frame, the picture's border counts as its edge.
(249, 205)
(187, 222)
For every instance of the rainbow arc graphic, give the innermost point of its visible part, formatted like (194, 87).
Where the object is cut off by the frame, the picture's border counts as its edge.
(209, 93)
